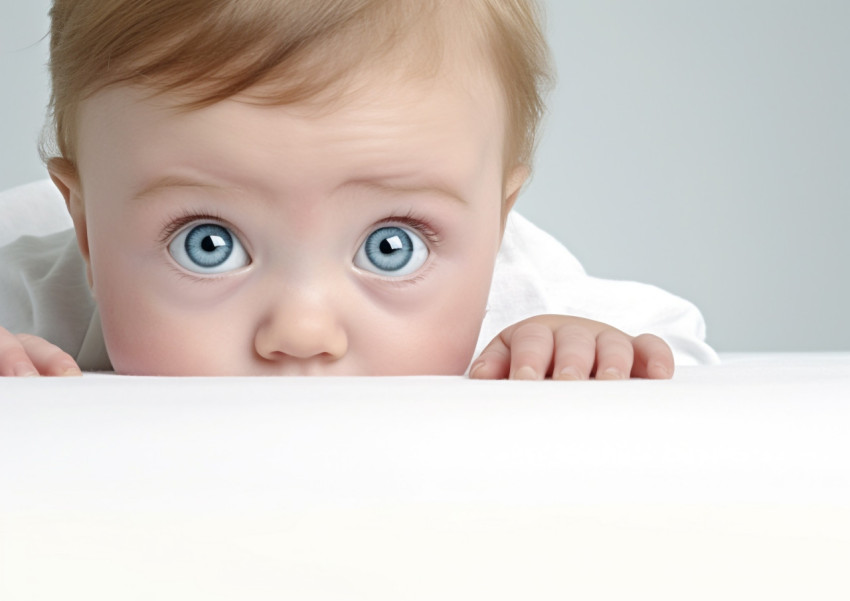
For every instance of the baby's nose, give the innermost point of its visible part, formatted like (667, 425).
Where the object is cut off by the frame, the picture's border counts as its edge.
(302, 326)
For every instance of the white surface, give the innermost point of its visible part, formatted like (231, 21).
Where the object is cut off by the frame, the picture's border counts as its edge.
(729, 481)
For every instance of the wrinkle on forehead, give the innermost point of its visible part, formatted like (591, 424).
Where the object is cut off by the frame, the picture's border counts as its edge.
(451, 124)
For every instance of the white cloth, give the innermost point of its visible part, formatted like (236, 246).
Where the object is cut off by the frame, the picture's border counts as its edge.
(43, 288)
(535, 274)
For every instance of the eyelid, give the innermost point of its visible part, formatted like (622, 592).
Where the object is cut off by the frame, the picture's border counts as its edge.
(173, 226)
(415, 223)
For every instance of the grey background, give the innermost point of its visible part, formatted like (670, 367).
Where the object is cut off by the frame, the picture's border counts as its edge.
(700, 146)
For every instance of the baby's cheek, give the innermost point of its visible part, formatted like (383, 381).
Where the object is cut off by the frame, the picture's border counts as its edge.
(446, 337)
(143, 342)
(151, 330)
(137, 346)
(431, 355)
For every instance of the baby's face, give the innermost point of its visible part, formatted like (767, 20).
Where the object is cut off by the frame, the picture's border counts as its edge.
(244, 239)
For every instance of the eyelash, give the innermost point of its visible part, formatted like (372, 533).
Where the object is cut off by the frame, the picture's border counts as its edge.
(414, 222)
(172, 226)
(411, 220)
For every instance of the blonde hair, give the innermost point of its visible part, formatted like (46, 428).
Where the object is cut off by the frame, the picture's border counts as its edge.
(289, 50)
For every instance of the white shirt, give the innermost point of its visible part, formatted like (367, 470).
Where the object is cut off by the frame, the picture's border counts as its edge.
(44, 291)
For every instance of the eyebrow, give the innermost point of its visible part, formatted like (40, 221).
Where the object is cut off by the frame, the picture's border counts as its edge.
(427, 188)
(168, 182)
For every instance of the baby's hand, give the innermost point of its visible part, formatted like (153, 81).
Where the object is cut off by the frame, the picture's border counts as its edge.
(27, 355)
(571, 348)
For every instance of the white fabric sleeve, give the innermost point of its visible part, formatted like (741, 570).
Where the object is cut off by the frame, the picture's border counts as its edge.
(535, 274)
(44, 291)
(37, 209)
(43, 287)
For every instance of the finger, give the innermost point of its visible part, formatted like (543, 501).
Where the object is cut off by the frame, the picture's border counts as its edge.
(653, 358)
(575, 352)
(614, 355)
(494, 362)
(14, 360)
(532, 345)
(48, 358)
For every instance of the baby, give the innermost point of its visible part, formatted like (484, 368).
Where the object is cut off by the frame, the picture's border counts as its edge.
(304, 187)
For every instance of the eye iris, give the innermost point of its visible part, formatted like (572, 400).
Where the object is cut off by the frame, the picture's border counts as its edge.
(209, 245)
(389, 248)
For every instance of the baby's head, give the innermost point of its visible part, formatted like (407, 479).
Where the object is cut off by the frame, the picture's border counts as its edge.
(293, 186)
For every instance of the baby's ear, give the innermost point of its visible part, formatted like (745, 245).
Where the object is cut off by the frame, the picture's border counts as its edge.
(66, 178)
(513, 185)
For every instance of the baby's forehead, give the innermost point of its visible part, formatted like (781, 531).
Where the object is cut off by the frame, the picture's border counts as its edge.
(382, 130)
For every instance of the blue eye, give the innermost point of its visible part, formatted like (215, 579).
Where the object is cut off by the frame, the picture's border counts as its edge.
(393, 251)
(208, 248)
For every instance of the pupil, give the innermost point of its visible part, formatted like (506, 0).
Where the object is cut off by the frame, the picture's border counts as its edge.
(210, 243)
(389, 245)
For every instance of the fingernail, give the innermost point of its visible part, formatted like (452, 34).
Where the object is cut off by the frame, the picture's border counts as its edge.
(22, 370)
(612, 373)
(72, 372)
(476, 368)
(525, 372)
(569, 373)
